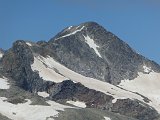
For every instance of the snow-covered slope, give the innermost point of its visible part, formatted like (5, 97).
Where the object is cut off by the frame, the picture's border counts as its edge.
(46, 72)
(88, 82)
(26, 111)
(140, 84)
(147, 85)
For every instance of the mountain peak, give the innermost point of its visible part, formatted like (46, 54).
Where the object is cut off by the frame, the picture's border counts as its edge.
(90, 23)
(81, 28)
(90, 41)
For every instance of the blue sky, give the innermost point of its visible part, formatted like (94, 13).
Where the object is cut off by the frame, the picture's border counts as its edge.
(137, 22)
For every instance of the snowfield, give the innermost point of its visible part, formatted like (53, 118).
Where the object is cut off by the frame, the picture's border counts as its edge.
(143, 84)
(26, 111)
(147, 85)
(4, 83)
(77, 103)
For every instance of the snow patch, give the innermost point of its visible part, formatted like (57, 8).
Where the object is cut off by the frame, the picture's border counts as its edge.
(26, 111)
(43, 94)
(74, 32)
(77, 103)
(4, 83)
(1, 55)
(29, 44)
(147, 69)
(92, 44)
(115, 99)
(70, 27)
(107, 118)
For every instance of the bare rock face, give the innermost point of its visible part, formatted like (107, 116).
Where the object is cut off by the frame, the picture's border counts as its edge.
(135, 109)
(16, 63)
(68, 90)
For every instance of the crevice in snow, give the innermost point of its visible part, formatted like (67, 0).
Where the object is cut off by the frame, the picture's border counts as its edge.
(92, 44)
(74, 32)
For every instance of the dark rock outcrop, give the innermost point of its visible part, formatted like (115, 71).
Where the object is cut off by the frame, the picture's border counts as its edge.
(68, 90)
(17, 64)
(135, 109)
(89, 114)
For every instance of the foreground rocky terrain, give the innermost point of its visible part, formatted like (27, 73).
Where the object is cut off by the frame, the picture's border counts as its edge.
(83, 73)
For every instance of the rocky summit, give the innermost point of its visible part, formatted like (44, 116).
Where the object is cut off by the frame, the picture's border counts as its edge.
(83, 73)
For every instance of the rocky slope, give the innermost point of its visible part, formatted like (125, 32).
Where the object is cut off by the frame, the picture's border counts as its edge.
(84, 66)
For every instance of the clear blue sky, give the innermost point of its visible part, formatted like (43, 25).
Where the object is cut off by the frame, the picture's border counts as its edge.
(137, 22)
